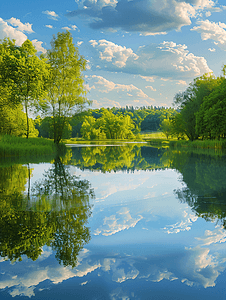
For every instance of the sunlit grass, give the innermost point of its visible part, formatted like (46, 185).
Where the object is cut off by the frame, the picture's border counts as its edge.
(143, 136)
(99, 142)
(158, 139)
(11, 146)
(153, 135)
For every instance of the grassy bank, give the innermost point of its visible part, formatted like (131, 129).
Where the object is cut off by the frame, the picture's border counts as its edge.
(100, 142)
(159, 139)
(156, 139)
(11, 146)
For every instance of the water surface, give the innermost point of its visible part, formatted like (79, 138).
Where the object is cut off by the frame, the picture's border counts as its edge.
(114, 222)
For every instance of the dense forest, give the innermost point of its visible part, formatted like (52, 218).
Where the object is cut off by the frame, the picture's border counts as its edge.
(110, 123)
(51, 87)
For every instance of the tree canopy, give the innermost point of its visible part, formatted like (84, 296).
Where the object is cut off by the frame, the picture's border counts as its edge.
(199, 104)
(22, 75)
(65, 86)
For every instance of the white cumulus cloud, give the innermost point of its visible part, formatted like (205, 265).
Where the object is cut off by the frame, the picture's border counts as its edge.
(110, 52)
(51, 14)
(212, 31)
(106, 86)
(38, 46)
(150, 87)
(148, 17)
(20, 26)
(72, 27)
(7, 30)
(176, 61)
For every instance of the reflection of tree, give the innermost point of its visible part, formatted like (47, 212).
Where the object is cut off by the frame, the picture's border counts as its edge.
(69, 196)
(205, 177)
(22, 232)
(13, 179)
(130, 157)
(56, 214)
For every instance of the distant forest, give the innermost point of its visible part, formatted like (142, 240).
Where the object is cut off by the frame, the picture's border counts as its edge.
(110, 122)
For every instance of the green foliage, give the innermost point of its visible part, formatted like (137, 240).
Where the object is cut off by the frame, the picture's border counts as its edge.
(65, 83)
(46, 129)
(166, 127)
(22, 75)
(211, 118)
(108, 126)
(11, 146)
(190, 102)
(143, 118)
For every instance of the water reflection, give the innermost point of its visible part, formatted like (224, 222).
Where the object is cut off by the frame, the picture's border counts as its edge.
(203, 173)
(144, 241)
(205, 190)
(126, 158)
(53, 212)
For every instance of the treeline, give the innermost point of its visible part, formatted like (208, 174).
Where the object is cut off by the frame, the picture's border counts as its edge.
(202, 109)
(110, 123)
(51, 84)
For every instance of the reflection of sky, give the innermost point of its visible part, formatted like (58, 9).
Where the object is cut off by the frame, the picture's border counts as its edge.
(142, 240)
(186, 267)
(137, 199)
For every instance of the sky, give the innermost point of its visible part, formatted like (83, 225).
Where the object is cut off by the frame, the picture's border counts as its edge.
(138, 52)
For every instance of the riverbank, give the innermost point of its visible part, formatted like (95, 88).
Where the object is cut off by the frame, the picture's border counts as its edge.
(11, 146)
(156, 139)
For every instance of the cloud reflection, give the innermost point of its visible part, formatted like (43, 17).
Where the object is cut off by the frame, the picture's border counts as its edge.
(120, 221)
(184, 225)
(194, 266)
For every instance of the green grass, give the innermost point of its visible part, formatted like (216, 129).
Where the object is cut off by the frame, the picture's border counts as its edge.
(152, 135)
(11, 146)
(141, 137)
(99, 142)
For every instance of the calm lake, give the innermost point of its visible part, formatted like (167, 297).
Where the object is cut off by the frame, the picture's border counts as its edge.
(114, 222)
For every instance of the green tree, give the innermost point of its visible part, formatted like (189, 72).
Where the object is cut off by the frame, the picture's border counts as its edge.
(32, 73)
(66, 91)
(190, 100)
(211, 118)
(178, 126)
(166, 127)
(22, 73)
(108, 126)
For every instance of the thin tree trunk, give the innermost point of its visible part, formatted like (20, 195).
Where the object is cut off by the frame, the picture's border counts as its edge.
(27, 134)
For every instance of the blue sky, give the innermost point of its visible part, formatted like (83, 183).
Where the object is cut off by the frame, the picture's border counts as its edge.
(139, 52)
